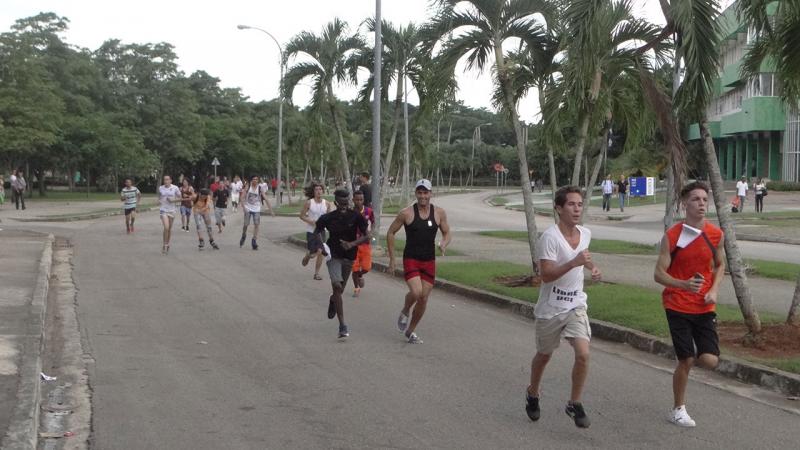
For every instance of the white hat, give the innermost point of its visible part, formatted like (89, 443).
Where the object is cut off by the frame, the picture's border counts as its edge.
(424, 183)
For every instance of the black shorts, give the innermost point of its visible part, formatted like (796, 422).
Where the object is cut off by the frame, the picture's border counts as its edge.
(128, 211)
(693, 334)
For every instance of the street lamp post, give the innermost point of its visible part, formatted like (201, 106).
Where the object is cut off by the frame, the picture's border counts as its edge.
(476, 135)
(280, 106)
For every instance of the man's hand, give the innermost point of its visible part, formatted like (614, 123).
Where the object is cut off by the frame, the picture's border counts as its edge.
(346, 245)
(582, 259)
(711, 297)
(442, 247)
(392, 266)
(596, 274)
(695, 283)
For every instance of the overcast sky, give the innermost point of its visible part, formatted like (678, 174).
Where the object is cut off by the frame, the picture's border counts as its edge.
(205, 36)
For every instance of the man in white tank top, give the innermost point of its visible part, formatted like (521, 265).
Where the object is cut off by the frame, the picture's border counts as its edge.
(312, 210)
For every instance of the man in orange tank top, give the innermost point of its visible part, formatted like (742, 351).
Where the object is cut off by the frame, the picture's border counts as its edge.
(691, 265)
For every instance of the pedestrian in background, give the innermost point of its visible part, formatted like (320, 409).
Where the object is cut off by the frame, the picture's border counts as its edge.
(608, 189)
(2, 190)
(221, 205)
(187, 193)
(622, 191)
(741, 191)
(761, 192)
(18, 186)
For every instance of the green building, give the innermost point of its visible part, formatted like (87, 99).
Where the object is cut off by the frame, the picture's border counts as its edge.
(755, 134)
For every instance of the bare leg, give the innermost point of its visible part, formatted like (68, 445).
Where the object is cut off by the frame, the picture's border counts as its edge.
(538, 364)
(420, 306)
(338, 288)
(318, 263)
(679, 380)
(580, 368)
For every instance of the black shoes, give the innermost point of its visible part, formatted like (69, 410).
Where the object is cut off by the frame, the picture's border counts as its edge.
(241, 241)
(254, 244)
(575, 410)
(331, 309)
(532, 407)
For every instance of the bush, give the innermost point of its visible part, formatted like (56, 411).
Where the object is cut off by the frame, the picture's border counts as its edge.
(783, 186)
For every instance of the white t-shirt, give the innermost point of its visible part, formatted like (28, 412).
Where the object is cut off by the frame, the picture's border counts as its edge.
(608, 187)
(166, 195)
(264, 186)
(741, 188)
(236, 189)
(252, 200)
(315, 211)
(565, 293)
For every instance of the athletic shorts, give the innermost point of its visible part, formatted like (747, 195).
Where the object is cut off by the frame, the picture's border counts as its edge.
(186, 211)
(254, 216)
(339, 270)
(235, 199)
(201, 220)
(219, 215)
(313, 243)
(170, 214)
(426, 270)
(128, 211)
(693, 334)
(363, 262)
(571, 324)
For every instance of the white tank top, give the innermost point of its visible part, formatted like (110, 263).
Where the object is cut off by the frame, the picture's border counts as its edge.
(315, 211)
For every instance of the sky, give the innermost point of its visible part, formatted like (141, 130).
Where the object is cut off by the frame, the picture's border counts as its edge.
(205, 35)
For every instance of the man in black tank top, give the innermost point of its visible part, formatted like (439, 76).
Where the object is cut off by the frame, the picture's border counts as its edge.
(421, 222)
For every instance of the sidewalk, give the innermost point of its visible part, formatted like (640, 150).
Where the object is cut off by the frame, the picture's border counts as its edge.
(65, 211)
(24, 272)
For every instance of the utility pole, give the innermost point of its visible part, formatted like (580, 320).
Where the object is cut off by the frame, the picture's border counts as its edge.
(377, 177)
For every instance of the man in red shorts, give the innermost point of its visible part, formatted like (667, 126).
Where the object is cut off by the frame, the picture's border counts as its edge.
(421, 221)
(363, 262)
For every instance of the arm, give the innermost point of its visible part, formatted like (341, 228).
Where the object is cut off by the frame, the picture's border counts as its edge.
(394, 228)
(269, 206)
(138, 196)
(663, 278)
(719, 272)
(444, 227)
(363, 227)
(551, 271)
(304, 212)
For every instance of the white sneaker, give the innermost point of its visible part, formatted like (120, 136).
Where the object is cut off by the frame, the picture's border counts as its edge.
(681, 418)
(402, 322)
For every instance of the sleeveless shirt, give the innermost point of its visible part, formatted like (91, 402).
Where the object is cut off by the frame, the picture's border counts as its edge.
(421, 236)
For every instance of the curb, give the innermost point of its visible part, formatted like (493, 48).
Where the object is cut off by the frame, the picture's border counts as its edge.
(745, 371)
(77, 218)
(23, 429)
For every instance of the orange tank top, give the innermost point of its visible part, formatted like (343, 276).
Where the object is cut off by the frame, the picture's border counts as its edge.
(697, 257)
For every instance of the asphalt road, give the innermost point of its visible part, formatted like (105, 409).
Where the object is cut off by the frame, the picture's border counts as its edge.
(231, 349)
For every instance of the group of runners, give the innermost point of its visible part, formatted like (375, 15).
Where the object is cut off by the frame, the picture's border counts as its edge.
(690, 266)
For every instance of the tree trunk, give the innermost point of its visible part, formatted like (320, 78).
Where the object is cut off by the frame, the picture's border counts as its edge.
(732, 253)
(71, 179)
(387, 164)
(793, 318)
(587, 199)
(342, 146)
(525, 180)
(584, 128)
(669, 204)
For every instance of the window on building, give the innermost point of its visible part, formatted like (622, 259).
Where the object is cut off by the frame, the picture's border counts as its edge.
(766, 84)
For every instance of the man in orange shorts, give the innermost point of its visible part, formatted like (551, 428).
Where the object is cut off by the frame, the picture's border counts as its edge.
(363, 262)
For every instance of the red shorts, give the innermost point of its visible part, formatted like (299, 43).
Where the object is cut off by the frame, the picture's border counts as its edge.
(426, 270)
(363, 262)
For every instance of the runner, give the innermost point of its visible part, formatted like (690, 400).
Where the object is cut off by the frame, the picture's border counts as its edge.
(561, 308)
(201, 207)
(130, 197)
(187, 193)
(168, 196)
(363, 262)
(221, 205)
(344, 226)
(251, 199)
(691, 265)
(314, 207)
(421, 222)
(236, 190)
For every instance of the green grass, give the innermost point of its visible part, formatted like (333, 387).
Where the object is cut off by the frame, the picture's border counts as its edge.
(634, 201)
(597, 245)
(56, 196)
(774, 269)
(399, 245)
(498, 200)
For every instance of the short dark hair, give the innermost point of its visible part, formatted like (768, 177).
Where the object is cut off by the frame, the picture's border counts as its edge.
(339, 193)
(692, 186)
(365, 174)
(361, 193)
(561, 194)
(308, 191)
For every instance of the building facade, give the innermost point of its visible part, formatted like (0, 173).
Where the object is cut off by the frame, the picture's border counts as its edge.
(755, 134)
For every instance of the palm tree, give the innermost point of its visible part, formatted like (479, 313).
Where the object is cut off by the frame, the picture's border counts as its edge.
(478, 29)
(695, 23)
(328, 55)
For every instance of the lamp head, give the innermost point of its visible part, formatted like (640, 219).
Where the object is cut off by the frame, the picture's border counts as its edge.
(242, 27)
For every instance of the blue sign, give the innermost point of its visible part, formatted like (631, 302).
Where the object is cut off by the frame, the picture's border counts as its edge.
(637, 186)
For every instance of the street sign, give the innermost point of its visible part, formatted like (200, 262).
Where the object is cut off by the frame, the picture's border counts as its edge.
(215, 162)
(642, 186)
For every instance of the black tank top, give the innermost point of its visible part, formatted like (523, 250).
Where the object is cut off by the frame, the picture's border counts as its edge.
(421, 236)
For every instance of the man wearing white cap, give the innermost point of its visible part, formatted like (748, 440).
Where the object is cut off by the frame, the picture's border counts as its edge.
(421, 222)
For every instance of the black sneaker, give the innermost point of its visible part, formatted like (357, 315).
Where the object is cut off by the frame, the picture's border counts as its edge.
(532, 407)
(254, 244)
(343, 331)
(241, 241)
(201, 245)
(214, 245)
(575, 410)
(331, 309)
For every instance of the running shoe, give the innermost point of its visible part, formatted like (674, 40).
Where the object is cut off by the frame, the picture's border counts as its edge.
(413, 338)
(681, 418)
(305, 260)
(532, 407)
(241, 241)
(343, 331)
(331, 309)
(575, 410)
(127, 230)
(254, 244)
(201, 245)
(402, 322)
(214, 245)
(186, 229)
(356, 292)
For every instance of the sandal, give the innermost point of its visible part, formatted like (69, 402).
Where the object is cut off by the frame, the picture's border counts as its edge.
(317, 276)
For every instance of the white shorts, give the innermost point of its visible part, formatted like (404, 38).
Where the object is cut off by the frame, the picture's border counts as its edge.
(571, 324)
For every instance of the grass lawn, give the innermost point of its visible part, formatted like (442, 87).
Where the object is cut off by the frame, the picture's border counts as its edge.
(56, 196)
(634, 201)
(774, 269)
(498, 200)
(399, 245)
(597, 245)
